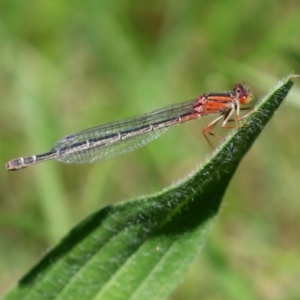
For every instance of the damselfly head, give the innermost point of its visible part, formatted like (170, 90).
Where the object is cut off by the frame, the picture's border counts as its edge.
(243, 93)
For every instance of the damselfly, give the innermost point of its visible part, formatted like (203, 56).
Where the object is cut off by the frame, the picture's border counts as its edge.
(117, 138)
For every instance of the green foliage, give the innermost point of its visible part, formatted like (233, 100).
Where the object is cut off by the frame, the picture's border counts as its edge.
(69, 65)
(141, 249)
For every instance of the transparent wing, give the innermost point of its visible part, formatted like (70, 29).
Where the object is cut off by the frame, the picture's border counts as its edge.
(117, 138)
(109, 151)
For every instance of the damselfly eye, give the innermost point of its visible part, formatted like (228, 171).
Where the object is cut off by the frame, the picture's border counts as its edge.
(243, 93)
(240, 90)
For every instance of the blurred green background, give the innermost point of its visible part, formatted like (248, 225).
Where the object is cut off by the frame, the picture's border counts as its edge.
(70, 65)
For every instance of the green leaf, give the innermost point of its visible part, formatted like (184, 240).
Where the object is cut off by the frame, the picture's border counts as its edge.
(140, 249)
